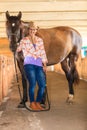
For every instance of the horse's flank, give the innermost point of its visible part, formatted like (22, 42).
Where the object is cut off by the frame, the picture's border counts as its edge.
(59, 42)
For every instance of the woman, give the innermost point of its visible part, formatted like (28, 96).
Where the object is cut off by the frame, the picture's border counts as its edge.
(35, 61)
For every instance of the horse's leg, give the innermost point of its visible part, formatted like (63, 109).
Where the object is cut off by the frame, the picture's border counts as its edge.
(25, 95)
(24, 84)
(66, 69)
(69, 67)
(43, 101)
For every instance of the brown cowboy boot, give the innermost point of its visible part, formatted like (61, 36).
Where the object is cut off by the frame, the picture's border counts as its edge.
(39, 106)
(33, 106)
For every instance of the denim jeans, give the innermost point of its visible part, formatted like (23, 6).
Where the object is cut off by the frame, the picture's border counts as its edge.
(35, 74)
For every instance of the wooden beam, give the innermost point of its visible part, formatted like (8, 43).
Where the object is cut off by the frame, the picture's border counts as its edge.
(37, 0)
(51, 16)
(43, 6)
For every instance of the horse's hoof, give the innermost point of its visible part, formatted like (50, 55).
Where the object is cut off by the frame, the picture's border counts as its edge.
(21, 105)
(43, 105)
(70, 99)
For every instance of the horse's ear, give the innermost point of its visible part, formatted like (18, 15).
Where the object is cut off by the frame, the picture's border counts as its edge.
(19, 15)
(7, 15)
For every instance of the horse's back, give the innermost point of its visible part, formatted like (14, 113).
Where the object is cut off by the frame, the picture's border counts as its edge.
(59, 42)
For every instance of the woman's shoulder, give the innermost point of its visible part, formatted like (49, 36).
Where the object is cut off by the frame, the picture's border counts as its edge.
(39, 38)
(24, 39)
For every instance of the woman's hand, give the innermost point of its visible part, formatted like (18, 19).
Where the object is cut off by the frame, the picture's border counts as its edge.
(45, 68)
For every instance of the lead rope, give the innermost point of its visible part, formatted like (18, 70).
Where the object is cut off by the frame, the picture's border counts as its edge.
(48, 102)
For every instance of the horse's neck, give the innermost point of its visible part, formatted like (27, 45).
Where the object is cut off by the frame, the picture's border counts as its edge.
(24, 31)
(21, 34)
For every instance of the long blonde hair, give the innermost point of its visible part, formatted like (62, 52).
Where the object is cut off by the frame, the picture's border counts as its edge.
(33, 25)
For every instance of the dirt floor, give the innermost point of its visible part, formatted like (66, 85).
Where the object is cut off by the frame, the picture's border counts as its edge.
(61, 116)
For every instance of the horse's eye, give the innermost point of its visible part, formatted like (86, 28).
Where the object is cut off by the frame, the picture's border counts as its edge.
(13, 24)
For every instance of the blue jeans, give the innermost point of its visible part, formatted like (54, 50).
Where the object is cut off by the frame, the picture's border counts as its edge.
(35, 74)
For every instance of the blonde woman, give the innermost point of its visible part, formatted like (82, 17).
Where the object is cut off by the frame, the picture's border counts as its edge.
(35, 61)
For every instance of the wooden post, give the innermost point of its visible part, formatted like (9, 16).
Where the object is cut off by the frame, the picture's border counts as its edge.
(0, 79)
(4, 77)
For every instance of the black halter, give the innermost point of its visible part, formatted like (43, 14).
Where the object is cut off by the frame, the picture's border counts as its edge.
(17, 35)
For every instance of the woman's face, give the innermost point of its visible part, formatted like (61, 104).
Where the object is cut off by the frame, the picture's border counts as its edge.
(32, 31)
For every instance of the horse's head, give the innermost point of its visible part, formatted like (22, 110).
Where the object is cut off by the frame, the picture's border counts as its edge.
(13, 29)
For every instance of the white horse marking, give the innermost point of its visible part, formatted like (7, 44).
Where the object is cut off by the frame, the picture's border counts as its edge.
(13, 24)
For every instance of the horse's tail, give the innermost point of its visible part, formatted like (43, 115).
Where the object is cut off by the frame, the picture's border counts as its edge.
(74, 55)
(77, 42)
(73, 69)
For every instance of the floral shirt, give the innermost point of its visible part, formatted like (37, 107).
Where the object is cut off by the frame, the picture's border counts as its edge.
(35, 51)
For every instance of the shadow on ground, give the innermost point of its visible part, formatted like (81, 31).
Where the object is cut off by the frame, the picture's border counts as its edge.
(62, 116)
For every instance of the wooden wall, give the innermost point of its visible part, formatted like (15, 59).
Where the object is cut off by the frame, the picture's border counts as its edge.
(47, 13)
(7, 72)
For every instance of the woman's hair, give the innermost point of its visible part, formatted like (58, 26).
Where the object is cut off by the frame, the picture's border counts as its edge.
(33, 25)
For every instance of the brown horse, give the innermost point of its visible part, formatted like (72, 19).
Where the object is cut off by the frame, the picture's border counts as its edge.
(62, 45)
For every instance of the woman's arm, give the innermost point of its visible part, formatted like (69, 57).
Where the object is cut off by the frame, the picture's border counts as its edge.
(43, 56)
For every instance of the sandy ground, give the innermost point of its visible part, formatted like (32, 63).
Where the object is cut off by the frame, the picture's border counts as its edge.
(61, 116)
